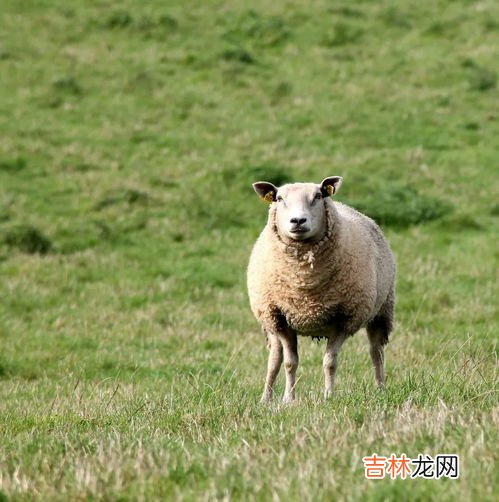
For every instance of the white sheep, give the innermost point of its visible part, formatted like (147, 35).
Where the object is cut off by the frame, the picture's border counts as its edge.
(322, 269)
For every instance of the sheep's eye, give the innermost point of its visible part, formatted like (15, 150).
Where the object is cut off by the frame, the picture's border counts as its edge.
(318, 196)
(279, 198)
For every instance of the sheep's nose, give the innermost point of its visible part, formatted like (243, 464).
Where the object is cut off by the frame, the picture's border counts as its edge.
(298, 221)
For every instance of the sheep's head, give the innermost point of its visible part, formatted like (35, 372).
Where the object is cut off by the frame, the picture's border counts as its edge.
(299, 207)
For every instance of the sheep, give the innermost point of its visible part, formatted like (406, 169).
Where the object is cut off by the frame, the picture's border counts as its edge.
(320, 269)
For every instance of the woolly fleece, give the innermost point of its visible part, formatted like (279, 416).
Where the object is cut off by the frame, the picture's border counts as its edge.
(340, 283)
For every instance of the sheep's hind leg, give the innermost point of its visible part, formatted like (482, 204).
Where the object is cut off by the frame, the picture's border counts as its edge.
(330, 362)
(273, 367)
(378, 337)
(289, 342)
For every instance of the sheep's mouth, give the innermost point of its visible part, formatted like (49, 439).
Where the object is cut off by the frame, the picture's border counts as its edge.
(299, 232)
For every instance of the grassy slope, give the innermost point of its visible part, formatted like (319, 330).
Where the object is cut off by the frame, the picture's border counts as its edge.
(130, 363)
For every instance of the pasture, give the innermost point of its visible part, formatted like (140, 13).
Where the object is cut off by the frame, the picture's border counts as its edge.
(130, 364)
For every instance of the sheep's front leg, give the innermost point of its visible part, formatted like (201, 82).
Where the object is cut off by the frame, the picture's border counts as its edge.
(330, 362)
(273, 366)
(290, 352)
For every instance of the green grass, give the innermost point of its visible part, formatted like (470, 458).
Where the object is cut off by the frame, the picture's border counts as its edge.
(130, 364)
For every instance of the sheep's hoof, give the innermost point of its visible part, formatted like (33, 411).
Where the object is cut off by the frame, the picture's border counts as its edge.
(328, 393)
(266, 398)
(288, 399)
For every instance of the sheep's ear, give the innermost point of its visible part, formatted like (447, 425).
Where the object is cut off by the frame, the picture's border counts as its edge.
(331, 185)
(266, 191)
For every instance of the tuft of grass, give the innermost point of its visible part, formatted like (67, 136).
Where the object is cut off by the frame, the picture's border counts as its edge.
(238, 55)
(461, 222)
(396, 18)
(281, 90)
(441, 28)
(67, 85)
(342, 34)
(13, 165)
(28, 239)
(483, 79)
(253, 28)
(346, 11)
(147, 25)
(494, 210)
(167, 21)
(129, 196)
(119, 20)
(400, 206)
(245, 175)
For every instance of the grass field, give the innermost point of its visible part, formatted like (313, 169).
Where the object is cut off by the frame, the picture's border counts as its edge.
(130, 364)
